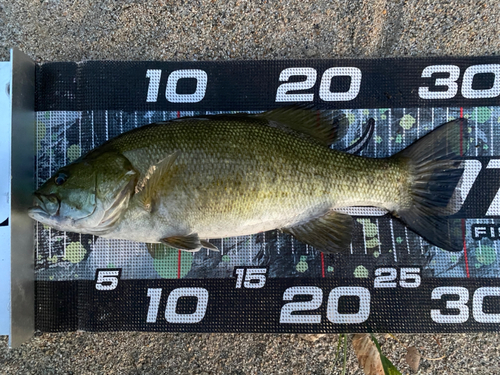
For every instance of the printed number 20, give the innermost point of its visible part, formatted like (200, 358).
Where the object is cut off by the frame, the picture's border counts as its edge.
(332, 312)
(283, 93)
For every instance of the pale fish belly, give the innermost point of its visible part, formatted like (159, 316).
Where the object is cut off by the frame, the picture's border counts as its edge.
(153, 230)
(269, 219)
(141, 226)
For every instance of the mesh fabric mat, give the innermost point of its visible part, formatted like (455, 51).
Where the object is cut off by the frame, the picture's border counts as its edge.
(80, 106)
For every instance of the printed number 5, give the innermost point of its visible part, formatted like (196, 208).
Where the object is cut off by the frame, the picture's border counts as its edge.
(107, 279)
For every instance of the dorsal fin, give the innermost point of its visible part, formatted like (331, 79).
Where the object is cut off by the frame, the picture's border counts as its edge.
(323, 126)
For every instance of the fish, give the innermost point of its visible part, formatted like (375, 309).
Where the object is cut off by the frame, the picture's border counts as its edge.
(184, 181)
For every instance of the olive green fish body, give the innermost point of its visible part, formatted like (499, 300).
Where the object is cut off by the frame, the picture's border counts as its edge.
(240, 177)
(191, 179)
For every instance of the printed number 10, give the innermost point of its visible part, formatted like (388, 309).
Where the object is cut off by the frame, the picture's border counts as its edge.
(171, 315)
(173, 79)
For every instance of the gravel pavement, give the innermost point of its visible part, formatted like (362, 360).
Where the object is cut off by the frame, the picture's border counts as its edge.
(75, 30)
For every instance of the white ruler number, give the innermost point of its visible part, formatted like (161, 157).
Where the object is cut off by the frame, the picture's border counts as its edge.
(451, 85)
(386, 278)
(250, 278)
(107, 279)
(449, 82)
(154, 295)
(173, 79)
(287, 310)
(171, 314)
(332, 312)
(283, 92)
(154, 76)
(477, 305)
(460, 304)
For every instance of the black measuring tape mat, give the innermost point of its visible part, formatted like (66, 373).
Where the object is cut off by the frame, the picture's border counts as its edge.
(389, 280)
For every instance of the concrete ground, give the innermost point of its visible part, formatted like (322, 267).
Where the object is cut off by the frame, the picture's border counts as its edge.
(73, 30)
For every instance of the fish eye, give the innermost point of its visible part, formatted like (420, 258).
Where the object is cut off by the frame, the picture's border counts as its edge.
(60, 178)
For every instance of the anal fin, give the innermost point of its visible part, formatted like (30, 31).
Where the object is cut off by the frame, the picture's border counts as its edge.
(330, 233)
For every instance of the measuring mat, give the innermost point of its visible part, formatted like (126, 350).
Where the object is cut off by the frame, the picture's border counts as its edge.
(389, 280)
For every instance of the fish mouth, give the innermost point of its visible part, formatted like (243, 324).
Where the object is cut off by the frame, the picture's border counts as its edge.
(44, 206)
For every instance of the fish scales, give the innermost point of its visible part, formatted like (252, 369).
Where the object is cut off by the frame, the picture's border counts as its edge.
(191, 179)
(240, 177)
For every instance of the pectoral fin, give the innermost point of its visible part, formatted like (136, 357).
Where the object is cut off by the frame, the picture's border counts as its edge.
(150, 184)
(190, 243)
(330, 233)
(208, 245)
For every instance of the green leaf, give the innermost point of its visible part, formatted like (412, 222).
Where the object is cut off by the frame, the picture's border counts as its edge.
(389, 368)
(337, 355)
(345, 354)
(338, 347)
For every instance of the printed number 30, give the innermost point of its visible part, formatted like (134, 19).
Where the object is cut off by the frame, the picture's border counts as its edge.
(451, 85)
(463, 310)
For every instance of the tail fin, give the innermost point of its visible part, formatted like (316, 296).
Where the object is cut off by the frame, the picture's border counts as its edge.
(435, 171)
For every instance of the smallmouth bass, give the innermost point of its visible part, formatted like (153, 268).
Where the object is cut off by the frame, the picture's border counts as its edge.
(184, 181)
